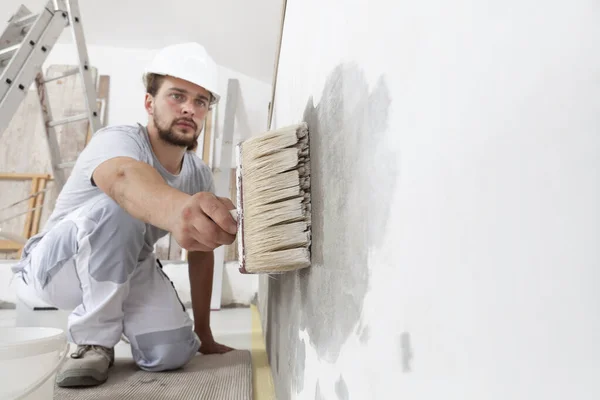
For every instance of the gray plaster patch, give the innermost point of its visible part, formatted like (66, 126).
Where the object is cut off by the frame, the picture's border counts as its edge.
(318, 394)
(341, 389)
(406, 352)
(287, 352)
(353, 177)
(364, 333)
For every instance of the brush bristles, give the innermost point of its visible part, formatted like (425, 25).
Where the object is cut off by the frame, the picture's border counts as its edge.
(276, 200)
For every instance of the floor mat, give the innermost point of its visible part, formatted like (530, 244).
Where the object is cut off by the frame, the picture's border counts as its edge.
(220, 377)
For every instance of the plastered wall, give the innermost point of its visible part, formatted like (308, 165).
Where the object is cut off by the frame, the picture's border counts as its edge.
(455, 152)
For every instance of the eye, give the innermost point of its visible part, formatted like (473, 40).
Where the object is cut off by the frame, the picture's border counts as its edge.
(177, 96)
(200, 102)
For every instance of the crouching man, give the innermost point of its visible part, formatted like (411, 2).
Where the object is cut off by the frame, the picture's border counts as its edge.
(131, 185)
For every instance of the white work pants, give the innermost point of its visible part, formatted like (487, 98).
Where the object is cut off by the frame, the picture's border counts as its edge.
(92, 263)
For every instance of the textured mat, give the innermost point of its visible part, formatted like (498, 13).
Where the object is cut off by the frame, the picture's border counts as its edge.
(219, 377)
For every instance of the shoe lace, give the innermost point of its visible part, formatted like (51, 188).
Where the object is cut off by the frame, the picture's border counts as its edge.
(82, 349)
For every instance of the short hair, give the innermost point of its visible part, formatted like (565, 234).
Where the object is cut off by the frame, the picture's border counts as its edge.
(152, 82)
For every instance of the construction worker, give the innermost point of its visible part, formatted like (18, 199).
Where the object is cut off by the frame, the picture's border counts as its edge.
(130, 186)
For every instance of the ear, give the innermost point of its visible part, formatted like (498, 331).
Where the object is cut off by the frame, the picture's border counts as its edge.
(149, 104)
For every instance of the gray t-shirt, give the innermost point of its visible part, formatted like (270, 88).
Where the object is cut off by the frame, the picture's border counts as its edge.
(122, 141)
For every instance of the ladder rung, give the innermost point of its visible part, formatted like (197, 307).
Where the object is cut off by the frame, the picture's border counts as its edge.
(7, 53)
(68, 120)
(16, 31)
(21, 13)
(68, 73)
(25, 21)
(64, 165)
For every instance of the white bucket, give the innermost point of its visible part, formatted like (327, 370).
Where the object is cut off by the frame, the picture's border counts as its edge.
(29, 359)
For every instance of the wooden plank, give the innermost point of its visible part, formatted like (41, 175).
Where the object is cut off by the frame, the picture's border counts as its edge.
(23, 177)
(30, 205)
(9, 246)
(39, 202)
(208, 128)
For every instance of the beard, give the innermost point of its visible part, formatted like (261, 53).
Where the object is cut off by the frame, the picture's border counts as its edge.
(167, 132)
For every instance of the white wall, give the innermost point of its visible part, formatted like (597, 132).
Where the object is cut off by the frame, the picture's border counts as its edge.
(489, 259)
(126, 97)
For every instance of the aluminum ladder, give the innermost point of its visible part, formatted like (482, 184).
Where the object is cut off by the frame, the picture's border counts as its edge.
(24, 47)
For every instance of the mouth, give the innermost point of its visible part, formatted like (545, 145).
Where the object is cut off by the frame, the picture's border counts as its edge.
(186, 124)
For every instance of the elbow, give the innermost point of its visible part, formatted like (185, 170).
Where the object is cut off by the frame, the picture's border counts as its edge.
(112, 181)
(116, 187)
(120, 174)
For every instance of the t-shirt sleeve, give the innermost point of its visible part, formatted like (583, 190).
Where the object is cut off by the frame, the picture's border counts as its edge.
(108, 144)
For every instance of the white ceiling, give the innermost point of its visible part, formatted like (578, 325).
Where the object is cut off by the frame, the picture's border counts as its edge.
(239, 34)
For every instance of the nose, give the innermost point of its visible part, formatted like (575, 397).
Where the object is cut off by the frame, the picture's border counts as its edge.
(188, 108)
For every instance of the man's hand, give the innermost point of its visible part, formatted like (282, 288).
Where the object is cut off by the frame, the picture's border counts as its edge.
(212, 347)
(203, 223)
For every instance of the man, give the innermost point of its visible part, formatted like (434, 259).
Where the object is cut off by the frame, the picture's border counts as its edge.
(130, 186)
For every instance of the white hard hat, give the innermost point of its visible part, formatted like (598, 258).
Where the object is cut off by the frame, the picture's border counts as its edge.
(187, 61)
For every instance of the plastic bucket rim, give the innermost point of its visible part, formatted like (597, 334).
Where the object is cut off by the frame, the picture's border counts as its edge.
(54, 341)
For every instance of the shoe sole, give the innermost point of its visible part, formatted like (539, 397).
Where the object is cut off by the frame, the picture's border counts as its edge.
(81, 377)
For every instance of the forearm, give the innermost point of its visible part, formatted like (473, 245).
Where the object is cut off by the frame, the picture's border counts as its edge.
(142, 192)
(201, 270)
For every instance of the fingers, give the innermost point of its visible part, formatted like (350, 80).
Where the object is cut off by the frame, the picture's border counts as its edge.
(208, 232)
(216, 210)
(227, 202)
(206, 223)
(230, 206)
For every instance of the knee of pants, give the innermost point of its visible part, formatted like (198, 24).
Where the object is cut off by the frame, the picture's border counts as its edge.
(165, 350)
(115, 240)
(110, 217)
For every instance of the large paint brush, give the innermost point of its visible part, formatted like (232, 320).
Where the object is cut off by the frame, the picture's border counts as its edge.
(273, 200)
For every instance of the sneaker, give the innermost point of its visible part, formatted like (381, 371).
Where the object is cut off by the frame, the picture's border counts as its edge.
(88, 366)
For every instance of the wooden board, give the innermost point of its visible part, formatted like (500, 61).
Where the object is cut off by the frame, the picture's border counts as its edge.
(208, 134)
(38, 206)
(30, 206)
(8, 246)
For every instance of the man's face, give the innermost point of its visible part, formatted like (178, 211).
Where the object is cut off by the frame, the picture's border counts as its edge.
(178, 111)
